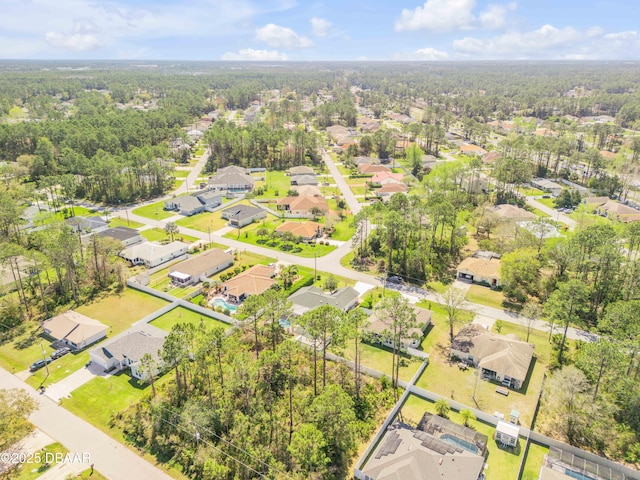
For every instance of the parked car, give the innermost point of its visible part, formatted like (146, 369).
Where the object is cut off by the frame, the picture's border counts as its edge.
(61, 352)
(394, 279)
(39, 364)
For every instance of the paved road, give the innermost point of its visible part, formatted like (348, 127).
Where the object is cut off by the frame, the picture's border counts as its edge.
(112, 459)
(193, 175)
(553, 213)
(348, 195)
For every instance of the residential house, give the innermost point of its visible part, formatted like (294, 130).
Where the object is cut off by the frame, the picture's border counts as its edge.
(570, 464)
(254, 281)
(366, 160)
(308, 231)
(547, 186)
(505, 359)
(512, 213)
(307, 190)
(152, 254)
(307, 179)
(33, 214)
(232, 179)
(127, 349)
(370, 169)
(74, 329)
(481, 267)
(239, 216)
(388, 190)
(444, 429)
(87, 224)
(301, 170)
(303, 205)
(477, 183)
(406, 453)
(199, 267)
(617, 211)
(472, 150)
(128, 236)
(382, 178)
(507, 434)
(371, 126)
(195, 203)
(308, 298)
(491, 157)
(377, 326)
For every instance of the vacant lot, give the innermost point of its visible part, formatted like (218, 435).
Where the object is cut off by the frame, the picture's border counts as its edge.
(123, 222)
(154, 211)
(119, 311)
(203, 222)
(159, 235)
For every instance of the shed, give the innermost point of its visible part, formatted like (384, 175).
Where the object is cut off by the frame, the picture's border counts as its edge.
(507, 434)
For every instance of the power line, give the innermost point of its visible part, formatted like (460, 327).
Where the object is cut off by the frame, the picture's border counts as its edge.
(198, 439)
(229, 443)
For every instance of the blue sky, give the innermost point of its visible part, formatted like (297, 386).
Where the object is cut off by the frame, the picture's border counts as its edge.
(324, 30)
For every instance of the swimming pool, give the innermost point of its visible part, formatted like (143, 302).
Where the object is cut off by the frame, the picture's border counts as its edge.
(220, 302)
(579, 476)
(458, 442)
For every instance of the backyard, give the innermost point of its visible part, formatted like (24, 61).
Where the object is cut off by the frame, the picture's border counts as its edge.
(184, 315)
(500, 464)
(445, 377)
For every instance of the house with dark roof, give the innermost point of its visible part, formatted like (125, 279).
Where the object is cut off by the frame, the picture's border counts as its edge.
(128, 236)
(232, 179)
(503, 358)
(301, 170)
(74, 329)
(199, 267)
(87, 224)
(406, 453)
(306, 179)
(239, 216)
(195, 203)
(125, 350)
(308, 298)
(377, 324)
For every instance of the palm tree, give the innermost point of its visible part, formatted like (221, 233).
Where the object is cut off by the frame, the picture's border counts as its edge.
(171, 229)
(467, 415)
(442, 407)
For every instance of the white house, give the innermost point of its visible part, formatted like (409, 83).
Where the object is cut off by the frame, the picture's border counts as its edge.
(199, 267)
(152, 254)
(507, 434)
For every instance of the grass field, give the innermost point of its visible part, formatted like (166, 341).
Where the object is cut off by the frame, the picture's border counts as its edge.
(344, 229)
(181, 173)
(547, 202)
(501, 464)
(17, 354)
(184, 315)
(59, 369)
(203, 222)
(159, 235)
(119, 311)
(533, 462)
(164, 284)
(123, 222)
(485, 296)
(154, 211)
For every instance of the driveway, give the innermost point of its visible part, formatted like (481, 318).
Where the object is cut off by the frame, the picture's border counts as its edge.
(348, 195)
(553, 213)
(64, 387)
(112, 459)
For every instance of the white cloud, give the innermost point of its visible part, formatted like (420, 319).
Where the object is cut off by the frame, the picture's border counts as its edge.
(437, 16)
(549, 42)
(78, 42)
(320, 27)
(251, 54)
(494, 16)
(281, 37)
(431, 54)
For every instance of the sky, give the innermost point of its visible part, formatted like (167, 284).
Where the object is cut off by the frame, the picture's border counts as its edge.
(300, 30)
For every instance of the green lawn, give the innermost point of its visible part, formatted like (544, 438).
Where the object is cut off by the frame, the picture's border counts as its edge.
(159, 235)
(163, 284)
(345, 172)
(78, 211)
(360, 190)
(445, 378)
(248, 235)
(59, 369)
(501, 464)
(357, 180)
(344, 229)
(17, 354)
(123, 222)
(437, 286)
(548, 202)
(184, 315)
(530, 191)
(100, 398)
(277, 184)
(376, 295)
(203, 222)
(119, 311)
(34, 469)
(181, 173)
(485, 296)
(533, 463)
(154, 211)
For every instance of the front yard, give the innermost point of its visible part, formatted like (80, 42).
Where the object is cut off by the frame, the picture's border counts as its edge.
(154, 211)
(159, 235)
(203, 222)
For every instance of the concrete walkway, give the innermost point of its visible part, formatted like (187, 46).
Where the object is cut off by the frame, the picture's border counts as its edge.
(112, 459)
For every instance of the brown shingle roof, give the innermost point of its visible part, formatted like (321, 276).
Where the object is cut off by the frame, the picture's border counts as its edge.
(253, 281)
(72, 326)
(302, 229)
(304, 203)
(481, 266)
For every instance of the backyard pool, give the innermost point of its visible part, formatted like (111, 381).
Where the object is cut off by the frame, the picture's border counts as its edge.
(220, 302)
(579, 476)
(284, 323)
(458, 442)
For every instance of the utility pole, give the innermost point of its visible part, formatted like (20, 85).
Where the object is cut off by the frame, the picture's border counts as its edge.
(46, 364)
(315, 267)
